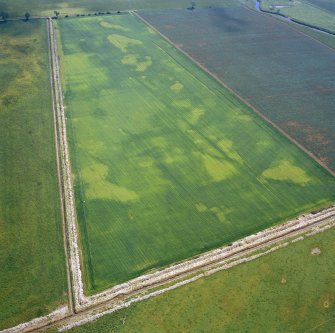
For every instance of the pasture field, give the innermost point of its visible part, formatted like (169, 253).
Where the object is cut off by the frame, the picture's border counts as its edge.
(290, 290)
(312, 12)
(325, 4)
(167, 163)
(47, 7)
(32, 265)
(288, 76)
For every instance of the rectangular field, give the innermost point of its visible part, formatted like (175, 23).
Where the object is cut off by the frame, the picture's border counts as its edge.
(167, 163)
(32, 265)
(286, 75)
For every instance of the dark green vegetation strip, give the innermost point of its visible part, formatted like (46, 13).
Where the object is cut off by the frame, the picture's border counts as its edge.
(32, 266)
(47, 7)
(167, 163)
(287, 76)
(290, 290)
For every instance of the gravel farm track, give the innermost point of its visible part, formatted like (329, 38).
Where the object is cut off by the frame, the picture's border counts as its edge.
(82, 309)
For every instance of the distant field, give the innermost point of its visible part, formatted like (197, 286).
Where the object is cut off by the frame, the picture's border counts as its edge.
(325, 4)
(47, 7)
(167, 163)
(290, 290)
(32, 266)
(286, 75)
(318, 13)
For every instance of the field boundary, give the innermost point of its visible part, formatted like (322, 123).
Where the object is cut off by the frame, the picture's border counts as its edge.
(239, 252)
(232, 91)
(109, 308)
(209, 259)
(67, 189)
(59, 171)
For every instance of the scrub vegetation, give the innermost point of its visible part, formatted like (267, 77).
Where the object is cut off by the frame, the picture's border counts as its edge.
(32, 266)
(167, 163)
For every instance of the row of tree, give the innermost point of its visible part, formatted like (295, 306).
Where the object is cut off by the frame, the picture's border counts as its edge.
(5, 16)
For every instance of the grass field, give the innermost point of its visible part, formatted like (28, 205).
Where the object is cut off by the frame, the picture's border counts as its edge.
(290, 290)
(318, 13)
(167, 163)
(47, 7)
(328, 5)
(286, 75)
(32, 266)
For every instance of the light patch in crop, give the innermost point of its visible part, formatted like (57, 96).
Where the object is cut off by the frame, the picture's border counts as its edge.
(98, 187)
(201, 207)
(175, 155)
(285, 170)
(182, 103)
(176, 87)
(226, 146)
(218, 213)
(218, 169)
(123, 42)
(113, 26)
(195, 115)
(244, 117)
(150, 31)
(132, 59)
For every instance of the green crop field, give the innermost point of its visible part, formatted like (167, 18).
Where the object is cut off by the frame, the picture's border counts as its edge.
(32, 265)
(47, 7)
(318, 13)
(167, 163)
(286, 75)
(289, 290)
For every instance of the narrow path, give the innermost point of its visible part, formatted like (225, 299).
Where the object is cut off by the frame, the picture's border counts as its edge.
(59, 169)
(67, 194)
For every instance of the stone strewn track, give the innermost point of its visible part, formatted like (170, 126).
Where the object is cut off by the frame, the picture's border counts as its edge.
(65, 177)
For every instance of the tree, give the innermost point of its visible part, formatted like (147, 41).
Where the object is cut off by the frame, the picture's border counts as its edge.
(56, 13)
(192, 5)
(4, 16)
(27, 15)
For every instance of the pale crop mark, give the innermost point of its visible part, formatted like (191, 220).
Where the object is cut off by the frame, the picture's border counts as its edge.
(98, 187)
(133, 60)
(286, 170)
(123, 42)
